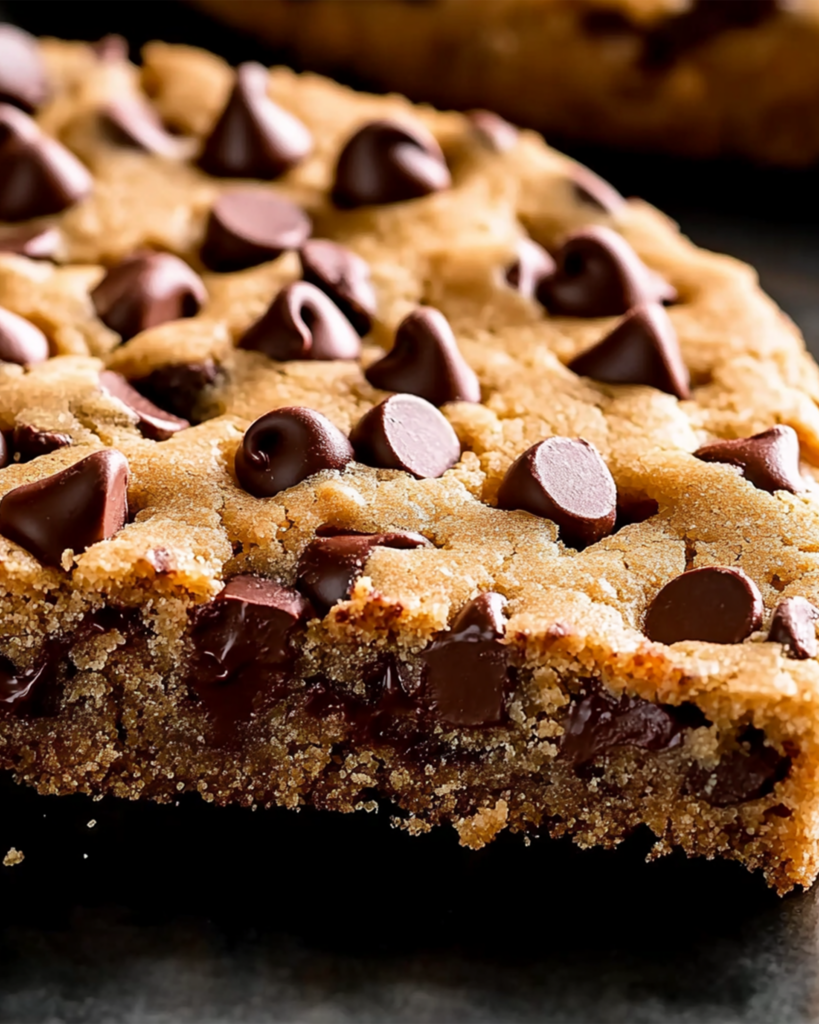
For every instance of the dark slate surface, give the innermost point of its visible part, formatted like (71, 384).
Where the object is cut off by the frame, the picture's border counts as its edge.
(192, 913)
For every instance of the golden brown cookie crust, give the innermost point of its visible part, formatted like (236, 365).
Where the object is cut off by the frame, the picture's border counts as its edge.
(126, 720)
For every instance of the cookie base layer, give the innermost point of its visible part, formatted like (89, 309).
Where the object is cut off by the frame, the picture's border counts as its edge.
(100, 711)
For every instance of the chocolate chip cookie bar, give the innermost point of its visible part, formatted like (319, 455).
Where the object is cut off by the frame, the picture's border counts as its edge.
(362, 456)
(696, 77)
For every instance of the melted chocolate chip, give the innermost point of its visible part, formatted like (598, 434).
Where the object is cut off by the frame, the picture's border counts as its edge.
(466, 674)
(599, 721)
(344, 277)
(793, 626)
(20, 341)
(425, 361)
(302, 323)
(33, 691)
(40, 243)
(30, 443)
(494, 132)
(22, 71)
(249, 226)
(286, 446)
(770, 460)
(595, 191)
(243, 646)
(406, 432)
(532, 266)
(387, 714)
(642, 349)
(330, 565)
(19, 688)
(712, 604)
(253, 137)
(146, 290)
(38, 176)
(131, 121)
(599, 274)
(565, 480)
(387, 162)
(75, 508)
(153, 422)
(178, 388)
(748, 773)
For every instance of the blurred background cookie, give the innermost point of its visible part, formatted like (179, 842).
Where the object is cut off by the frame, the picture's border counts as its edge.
(694, 77)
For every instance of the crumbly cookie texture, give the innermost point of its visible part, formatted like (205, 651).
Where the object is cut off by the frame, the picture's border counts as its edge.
(413, 515)
(696, 77)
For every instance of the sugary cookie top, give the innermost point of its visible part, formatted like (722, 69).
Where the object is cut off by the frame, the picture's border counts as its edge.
(473, 339)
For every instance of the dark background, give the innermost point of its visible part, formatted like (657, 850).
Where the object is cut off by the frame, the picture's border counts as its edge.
(194, 913)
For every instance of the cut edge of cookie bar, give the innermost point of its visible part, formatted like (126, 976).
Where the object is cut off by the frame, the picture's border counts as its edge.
(475, 669)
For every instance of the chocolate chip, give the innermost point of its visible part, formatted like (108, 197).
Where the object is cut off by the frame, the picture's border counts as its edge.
(330, 565)
(132, 122)
(20, 341)
(793, 625)
(770, 460)
(633, 509)
(111, 48)
(599, 721)
(344, 277)
(153, 422)
(406, 432)
(248, 226)
(75, 508)
(466, 674)
(712, 604)
(531, 267)
(4, 450)
(668, 39)
(40, 243)
(146, 290)
(286, 446)
(594, 191)
(22, 71)
(253, 137)
(38, 176)
(599, 274)
(243, 645)
(425, 361)
(642, 349)
(20, 687)
(302, 323)
(494, 132)
(178, 387)
(563, 479)
(388, 162)
(746, 774)
(30, 443)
